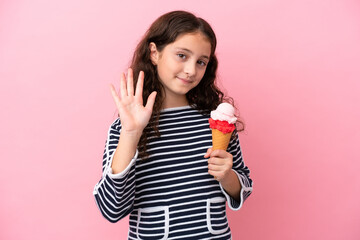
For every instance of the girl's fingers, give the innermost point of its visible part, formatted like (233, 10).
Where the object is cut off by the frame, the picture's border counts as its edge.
(219, 153)
(215, 174)
(139, 86)
(130, 83)
(215, 168)
(123, 91)
(208, 152)
(216, 161)
(150, 101)
(114, 95)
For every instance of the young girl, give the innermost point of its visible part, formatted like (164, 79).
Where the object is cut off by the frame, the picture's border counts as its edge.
(158, 164)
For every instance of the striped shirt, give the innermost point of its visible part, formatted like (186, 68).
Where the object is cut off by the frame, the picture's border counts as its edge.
(171, 195)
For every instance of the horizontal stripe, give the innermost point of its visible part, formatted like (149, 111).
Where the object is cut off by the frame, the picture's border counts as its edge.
(175, 177)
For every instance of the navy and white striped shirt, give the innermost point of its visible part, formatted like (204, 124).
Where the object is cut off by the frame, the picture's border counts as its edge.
(171, 195)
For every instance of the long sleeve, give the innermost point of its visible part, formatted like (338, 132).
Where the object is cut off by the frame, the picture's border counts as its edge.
(115, 193)
(243, 173)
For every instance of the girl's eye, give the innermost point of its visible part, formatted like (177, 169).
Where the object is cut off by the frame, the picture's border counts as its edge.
(202, 63)
(182, 56)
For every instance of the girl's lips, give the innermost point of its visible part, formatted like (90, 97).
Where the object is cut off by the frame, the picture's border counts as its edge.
(184, 80)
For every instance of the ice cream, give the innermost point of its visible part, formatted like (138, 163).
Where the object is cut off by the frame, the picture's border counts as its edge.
(222, 124)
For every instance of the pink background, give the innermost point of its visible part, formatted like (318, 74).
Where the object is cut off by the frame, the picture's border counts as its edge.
(293, 68)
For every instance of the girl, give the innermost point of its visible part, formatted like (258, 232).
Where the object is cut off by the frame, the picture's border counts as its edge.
(158, 165)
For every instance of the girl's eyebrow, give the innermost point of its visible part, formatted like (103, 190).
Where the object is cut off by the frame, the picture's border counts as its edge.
(189, 51)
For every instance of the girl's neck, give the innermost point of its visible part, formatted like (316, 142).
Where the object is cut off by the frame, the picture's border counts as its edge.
(174, 101)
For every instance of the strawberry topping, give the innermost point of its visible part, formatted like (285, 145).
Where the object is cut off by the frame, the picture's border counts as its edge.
(222, 126)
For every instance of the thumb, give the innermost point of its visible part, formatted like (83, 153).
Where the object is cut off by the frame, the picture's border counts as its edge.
(208, 152)
(114, 95)
(150, 101)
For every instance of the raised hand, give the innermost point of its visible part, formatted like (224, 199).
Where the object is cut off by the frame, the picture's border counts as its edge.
(134, 115)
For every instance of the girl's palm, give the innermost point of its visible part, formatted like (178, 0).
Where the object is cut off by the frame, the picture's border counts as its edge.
(134, 115)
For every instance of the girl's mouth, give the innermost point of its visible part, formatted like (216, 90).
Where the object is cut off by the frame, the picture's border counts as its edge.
(184, 80)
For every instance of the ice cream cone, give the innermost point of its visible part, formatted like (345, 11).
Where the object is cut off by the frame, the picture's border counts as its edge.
(222, 124)
(220, 140)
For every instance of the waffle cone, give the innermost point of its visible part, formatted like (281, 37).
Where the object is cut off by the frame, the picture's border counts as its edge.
(220, 140)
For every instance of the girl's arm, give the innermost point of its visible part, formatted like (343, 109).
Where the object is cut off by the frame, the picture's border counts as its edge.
(125, 151)
(220, 165)
(231, 172)
(115, 192)
(134, 118)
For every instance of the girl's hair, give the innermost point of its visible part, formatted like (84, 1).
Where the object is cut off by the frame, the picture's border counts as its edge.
(205, 97)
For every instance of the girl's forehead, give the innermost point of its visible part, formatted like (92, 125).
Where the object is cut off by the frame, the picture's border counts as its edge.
(195, 42)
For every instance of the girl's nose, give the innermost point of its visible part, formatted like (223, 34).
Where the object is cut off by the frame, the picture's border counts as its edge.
(190, 68)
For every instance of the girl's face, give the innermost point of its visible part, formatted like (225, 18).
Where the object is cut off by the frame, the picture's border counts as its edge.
(182, 64)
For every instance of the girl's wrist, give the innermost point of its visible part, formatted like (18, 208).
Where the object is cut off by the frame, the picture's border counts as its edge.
(132, 133)
(228, 178)
(130, 136)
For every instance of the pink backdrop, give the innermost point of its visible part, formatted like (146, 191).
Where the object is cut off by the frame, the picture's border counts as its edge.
(293, 68)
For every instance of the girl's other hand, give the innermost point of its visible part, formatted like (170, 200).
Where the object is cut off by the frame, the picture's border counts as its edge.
(134, 115)
(219, 164)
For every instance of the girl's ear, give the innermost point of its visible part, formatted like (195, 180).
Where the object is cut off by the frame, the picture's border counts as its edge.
(154, 54)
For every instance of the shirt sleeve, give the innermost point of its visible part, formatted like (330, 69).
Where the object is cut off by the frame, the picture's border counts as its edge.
(115, 193)
(242, 172)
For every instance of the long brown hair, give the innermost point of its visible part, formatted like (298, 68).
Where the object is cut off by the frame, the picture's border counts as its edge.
(205, 97)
